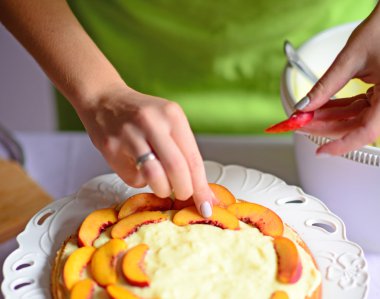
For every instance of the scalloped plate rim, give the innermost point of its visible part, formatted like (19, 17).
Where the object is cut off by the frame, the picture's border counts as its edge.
(62, 203)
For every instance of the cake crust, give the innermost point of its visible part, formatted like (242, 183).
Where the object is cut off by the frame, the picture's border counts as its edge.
(57, 289)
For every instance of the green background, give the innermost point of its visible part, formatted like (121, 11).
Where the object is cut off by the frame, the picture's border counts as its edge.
(220, 60)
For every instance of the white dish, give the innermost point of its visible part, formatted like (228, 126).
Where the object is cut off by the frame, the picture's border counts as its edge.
(342, 263)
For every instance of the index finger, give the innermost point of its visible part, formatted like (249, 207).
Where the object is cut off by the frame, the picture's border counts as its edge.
(202, 194)
(338, 74)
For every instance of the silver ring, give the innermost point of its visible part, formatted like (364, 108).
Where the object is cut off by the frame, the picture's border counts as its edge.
(143, 158)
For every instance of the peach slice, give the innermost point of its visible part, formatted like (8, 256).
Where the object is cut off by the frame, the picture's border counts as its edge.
(223, 196)
(94, 224)
(267, 221)
(220, 218)
(295, 121)
(118, 292)
(75, 264)
(289, 261)
(104, 260)
(144, 202)
(83, 289)
(133, 266)
(279, 295)
(132, 223)
(181, 204)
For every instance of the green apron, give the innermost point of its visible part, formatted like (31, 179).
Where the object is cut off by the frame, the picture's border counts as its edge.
(220, 60)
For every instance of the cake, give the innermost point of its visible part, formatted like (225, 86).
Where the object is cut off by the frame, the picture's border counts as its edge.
(151, 247)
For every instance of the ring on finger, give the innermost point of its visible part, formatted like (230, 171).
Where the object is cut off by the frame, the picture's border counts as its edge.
(149, 156)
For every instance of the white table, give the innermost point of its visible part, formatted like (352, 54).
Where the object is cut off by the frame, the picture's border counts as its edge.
(62, 162)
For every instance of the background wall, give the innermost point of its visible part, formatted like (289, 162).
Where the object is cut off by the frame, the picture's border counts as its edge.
(26, 96)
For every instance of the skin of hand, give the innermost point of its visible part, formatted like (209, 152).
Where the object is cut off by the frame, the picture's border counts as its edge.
(351, 122)
(121, 122)
(126, 124)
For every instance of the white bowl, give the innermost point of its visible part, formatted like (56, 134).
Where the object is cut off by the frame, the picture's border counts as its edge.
(349, 185)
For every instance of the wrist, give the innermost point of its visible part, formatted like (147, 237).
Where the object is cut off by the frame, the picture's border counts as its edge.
(88, 95)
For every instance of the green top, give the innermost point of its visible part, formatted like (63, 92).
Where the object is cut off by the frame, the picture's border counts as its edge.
(220, 60)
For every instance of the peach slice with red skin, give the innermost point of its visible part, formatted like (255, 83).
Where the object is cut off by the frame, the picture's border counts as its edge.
(223, 196)
(220, 218)
(83, 289)
(144, 202)
(279, 295)
(118, 292)
(295, 121)
(94, 224)
(132, 223)
(267, 221)
(104, 261)
(75, 264)
(133, 266)
(289, 261)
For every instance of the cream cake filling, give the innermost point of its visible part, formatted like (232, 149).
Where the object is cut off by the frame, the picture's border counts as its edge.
(204, 261)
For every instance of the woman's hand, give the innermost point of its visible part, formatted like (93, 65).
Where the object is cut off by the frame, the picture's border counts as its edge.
(125, 124)
(352, 122)
(122, 123)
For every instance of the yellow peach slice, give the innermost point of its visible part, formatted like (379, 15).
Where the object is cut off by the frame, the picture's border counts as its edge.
(118, 292)
(223, 197)
(75, 264)
(94, 224)
(220, 218)
(279, 295)
(289, 261)
(83, 289)
(104, 260)
(132, 223)
(267, 221)
(144, 202)
(133, 266)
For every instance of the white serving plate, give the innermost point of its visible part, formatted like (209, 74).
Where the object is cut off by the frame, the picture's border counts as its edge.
(342, 263)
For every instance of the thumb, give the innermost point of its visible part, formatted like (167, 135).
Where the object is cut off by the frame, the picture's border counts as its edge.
(339, 73)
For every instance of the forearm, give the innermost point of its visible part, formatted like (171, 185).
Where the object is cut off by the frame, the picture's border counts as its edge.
(51, 33)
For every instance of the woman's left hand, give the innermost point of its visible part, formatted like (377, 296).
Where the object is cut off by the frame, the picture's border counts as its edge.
(351, 122)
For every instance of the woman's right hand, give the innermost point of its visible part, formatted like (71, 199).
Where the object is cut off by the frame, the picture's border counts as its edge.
(125, 124)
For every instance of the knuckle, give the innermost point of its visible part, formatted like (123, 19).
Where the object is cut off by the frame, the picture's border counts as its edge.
(144, 116)
(151, 173)
(320, 87)
(175, 164)
(108, 147)
(196, 162)
(203, 192)
(173, 110)
(128, 129)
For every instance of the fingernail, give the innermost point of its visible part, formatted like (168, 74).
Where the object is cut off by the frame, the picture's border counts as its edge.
(302, 103)
(324, 155)
(206, 210)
